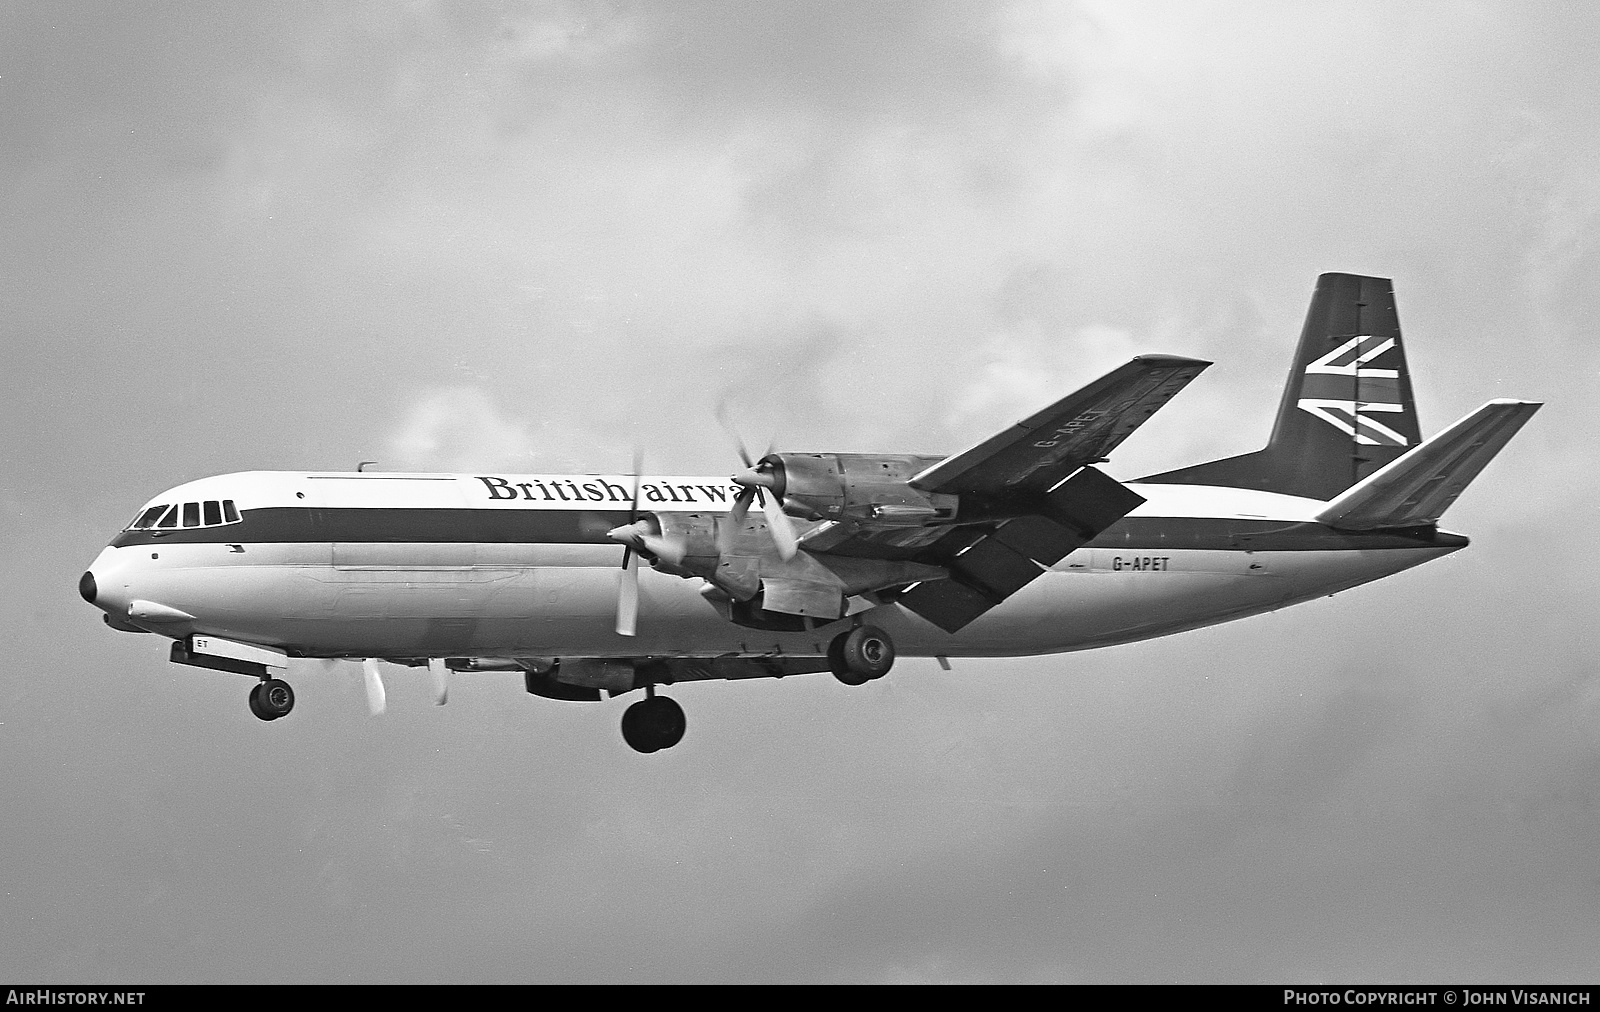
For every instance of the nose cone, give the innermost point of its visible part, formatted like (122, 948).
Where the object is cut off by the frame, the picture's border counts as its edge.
(105, 585)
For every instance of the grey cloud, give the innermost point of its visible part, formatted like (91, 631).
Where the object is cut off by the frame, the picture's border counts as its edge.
(255, 238)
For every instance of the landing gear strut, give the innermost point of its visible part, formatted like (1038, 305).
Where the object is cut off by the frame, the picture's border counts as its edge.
(860, 655)
(271, 698)
(653, 724)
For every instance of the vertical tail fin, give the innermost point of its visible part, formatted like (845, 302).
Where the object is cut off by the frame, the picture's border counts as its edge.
(1347, 408)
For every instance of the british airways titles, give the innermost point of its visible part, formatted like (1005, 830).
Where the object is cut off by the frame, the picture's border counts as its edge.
(595, 489)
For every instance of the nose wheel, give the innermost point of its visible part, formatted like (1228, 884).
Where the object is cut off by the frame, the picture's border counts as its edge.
(271, 698)
(653, 724)
(860, 655)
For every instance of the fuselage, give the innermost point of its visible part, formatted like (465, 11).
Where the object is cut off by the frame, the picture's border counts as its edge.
(475, 565)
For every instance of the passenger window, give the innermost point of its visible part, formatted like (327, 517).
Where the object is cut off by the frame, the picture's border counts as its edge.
(229, 512)
(148, 517)
(171, 519)
(191, 514)
(213, 512)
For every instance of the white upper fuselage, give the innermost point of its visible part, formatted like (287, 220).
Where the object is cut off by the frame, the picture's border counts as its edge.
(441, 565)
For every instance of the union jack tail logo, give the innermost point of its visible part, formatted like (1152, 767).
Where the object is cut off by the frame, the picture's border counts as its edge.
(1341, 389)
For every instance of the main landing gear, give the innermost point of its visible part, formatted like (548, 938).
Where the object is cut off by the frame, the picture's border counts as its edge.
(653, 723)
(271, 698)
(861, 655)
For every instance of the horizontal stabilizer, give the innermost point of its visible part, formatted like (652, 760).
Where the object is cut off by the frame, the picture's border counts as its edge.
(1414, 490)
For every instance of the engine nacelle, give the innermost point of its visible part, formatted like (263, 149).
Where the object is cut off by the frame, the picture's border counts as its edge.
(685, 545)
(859, 486)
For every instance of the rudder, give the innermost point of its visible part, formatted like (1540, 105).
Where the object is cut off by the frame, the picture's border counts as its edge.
(1347, 408)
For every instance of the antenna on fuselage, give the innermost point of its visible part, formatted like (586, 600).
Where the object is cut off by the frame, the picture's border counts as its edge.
(363, 465)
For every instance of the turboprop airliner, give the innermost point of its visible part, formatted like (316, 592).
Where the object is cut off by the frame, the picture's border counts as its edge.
(1018, 545)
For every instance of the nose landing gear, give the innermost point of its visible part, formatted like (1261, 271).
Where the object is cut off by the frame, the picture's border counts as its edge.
(653, 723)
(271, 698)
(860, 655)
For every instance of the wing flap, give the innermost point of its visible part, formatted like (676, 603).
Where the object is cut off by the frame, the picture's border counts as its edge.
(948, 604)
(1081, 428)
(988, 566)
(1414, 490)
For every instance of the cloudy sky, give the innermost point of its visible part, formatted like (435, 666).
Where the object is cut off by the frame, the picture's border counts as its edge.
(536, 235)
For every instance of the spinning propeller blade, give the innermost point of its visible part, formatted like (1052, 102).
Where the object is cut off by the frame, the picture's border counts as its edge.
(779, 524)
(440, 679)
(628, 588)
(733, 433)
(732, 525)
(377, 700)
(628, 596)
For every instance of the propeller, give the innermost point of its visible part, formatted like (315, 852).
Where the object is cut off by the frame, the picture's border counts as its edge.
(760, 481)
(731, 526)
(628, 587)
(376, 698)
(640, 535)
(440, 680)
(628, 596)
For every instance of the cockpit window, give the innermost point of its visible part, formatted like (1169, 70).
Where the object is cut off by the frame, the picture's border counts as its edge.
(147, 518)
(211, 513)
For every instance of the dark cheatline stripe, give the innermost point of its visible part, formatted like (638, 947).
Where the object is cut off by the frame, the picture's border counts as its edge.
(291, 524)
(1263, 536)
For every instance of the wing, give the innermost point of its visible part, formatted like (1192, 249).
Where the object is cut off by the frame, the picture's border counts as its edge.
(1014, 480)
(1079, 429)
